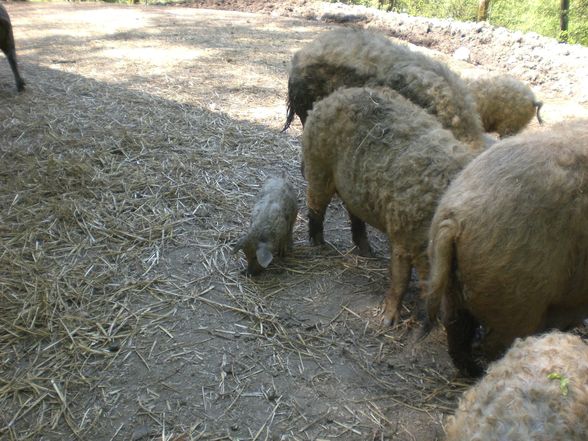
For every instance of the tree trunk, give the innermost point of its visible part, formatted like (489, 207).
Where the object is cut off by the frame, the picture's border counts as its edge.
(483, 10)
(564, 9)
(391, 4)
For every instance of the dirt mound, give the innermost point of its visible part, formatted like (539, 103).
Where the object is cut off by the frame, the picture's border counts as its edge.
(558, 68)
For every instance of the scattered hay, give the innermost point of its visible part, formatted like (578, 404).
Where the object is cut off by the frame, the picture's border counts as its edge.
(100, 181)
(93, 191)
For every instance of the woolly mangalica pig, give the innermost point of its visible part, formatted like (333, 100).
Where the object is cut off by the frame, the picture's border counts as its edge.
(537, 392)
(7, 46)
(506, 105)
(509, 243)
(350, 58)
(272, 222)
(390, 162)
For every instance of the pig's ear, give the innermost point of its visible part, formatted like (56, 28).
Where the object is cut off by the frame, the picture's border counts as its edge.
(264, 255)
(239, 245)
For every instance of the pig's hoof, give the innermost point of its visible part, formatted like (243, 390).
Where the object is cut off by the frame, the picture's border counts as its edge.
(317, 240)
(389, 318)
(365, 251)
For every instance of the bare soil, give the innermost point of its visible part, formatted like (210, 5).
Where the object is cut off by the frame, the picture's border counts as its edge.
(130, 166)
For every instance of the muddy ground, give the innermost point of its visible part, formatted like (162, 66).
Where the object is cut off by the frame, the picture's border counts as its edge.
(129, 168)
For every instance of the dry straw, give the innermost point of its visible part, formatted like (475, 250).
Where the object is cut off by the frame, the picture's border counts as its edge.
(99, 181)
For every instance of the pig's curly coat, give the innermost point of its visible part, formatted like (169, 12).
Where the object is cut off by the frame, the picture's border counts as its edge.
(537, 392)
(272, 221)
(351, 58)
(390, 162)
(506, 105)
(509, 242)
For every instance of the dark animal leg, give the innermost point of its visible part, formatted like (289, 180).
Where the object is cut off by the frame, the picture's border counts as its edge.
(460, 336)
(7, 46)
(318, 195)
(315, 226)
(359, 236)
(20, 84)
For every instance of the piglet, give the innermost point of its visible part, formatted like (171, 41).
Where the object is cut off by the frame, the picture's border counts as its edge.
(272, 221)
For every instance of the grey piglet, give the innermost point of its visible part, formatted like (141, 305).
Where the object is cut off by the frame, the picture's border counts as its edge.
(272, 222)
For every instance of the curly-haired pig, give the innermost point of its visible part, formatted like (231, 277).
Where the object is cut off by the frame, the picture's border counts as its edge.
(537, 392)
(506, 105)
(352, 57)
(390, 162)
(509, 243)
(272, 222)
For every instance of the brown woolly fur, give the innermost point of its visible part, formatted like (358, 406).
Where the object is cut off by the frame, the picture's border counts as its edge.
(509, 242)
(272, 222)
(350, 58)
(537, 392)
(7, 46)
(506, 105)
(390, 162)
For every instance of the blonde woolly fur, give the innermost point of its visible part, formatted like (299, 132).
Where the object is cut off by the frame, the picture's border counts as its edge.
(351, 58)
(272, 222)
(509, 243)
(506, 105)
(390, 162)
(7, 46)
(537, 392)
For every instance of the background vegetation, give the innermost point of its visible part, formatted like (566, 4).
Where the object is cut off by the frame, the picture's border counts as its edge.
(541, 16)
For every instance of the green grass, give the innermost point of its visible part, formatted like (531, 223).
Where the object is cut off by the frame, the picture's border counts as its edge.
(540, 16)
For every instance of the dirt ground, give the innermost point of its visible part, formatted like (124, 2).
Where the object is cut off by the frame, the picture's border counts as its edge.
(130, 166)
